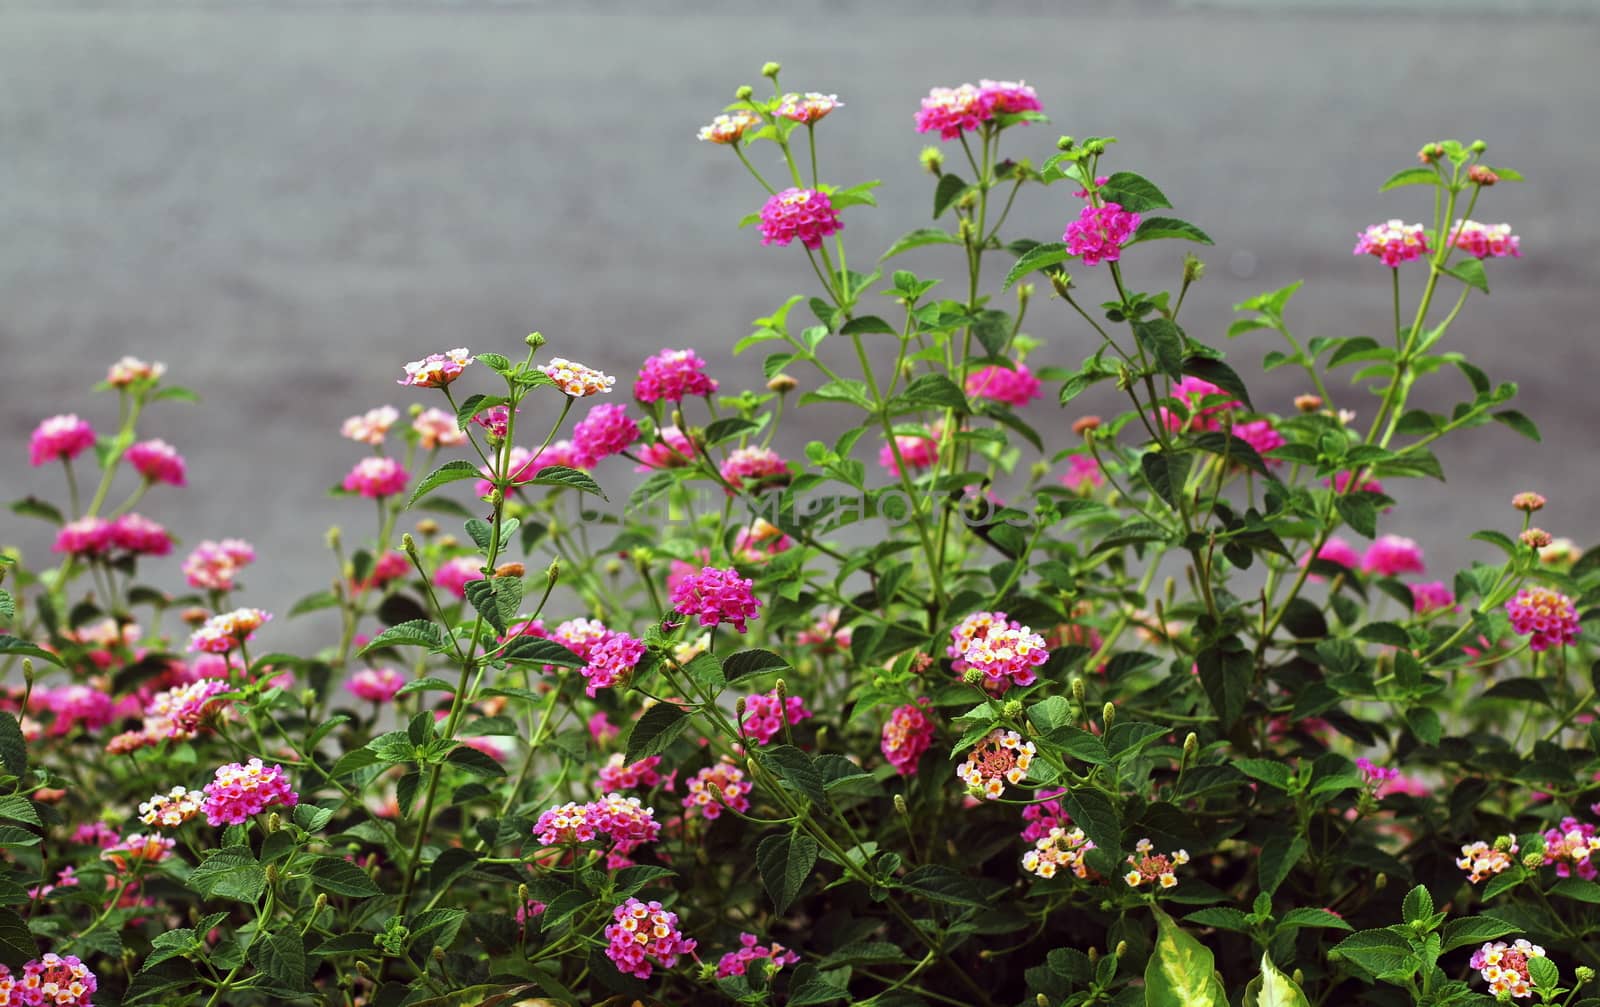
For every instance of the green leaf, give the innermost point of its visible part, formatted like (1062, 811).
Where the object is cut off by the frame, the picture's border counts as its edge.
(1221, 917)
(1165, 472)
(949, 189)
(561, 475)
(281, 957)
(537, 650)
(785, 861)
(1578, 890)
(1273, 989)
(752, 662)
(1163, 340)
(795, 770)
(1225, 677)
(1380, 952)
(1181, 972)
(1297, 918)
(11, 646)
(867, 325)
(653, 732)
(1544, 973)
(1279, 854)
(1133, 193)
(1092, 812)
(1154, 228)
(918, 238)
(1269, 771)
(929, 391)
(13, 749)
(338, 876)
(34, 507)
(19, 809)
(469, 759)
(1037, 257)
(1358, 512)
(727, 428)
(1411, 176)
(449, 472)
(1460, 932)
(1470, 271)
(415, 633)
(1219, 374)
(1417, 906)
(230, 873)
(938, 883)
(1518, 422)
(17, 946)
(8, 606)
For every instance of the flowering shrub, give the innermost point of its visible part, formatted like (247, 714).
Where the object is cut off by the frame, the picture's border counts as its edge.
(1153, 708)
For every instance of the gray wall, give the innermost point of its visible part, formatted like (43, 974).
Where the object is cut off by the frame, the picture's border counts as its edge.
(285, 204)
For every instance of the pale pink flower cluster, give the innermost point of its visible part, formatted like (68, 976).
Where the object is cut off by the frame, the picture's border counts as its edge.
(1014, 387)
(765, 713)
(618, 775)
(581, 636)
(720, 783)
(825, 634)
(1002, 757)
(377, 685)
(372, 426)
(643, 936)
(241, 790)
(157, 461)
(1100, 232)
(1486, 241)
(757, 464)
(172, 809)
(1505, 966)
(137, 849)
(607, 430)
(213, 566)
(1006, 651)
(64, 437)
(907, 735)
(376, 476)
(222, 633)
(1570, 847)
(130, 370)
(1548, 617)
(437, 370)
(178, 713)
(807, 108)
(1432, 596)
(673, 375)
(575, 379)
(1482, 860)
(954, 110)
(918, 451)
(1083, 474)
(717, 595)
(611, 661)
(1392, 555)
(453, 574)
(760, 542)
(806, 214)
(729, 127)
(436, 428)
(673, 450)
(737, 963)
(1154, 867)
(625, 820)
(56, 980)
(1393, 242)
(1058, 849)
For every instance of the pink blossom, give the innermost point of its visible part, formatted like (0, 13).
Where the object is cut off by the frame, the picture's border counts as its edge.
(761, 541)
(376, 476)
(1200, 399)
(140, 849)
(1393, 242)
(808, 108)
(222, 633)
(139, 536)
(436, 428)
(242, 790)
(1548, 617)
(737, 963)
(765, 713)
(437, 370)
(214, 565)
(1486, 241)
(672, 375)
(673, 450)
(65, 437)
(378, 685)
(754, 463)
(1342, 479)
(616, 774)
(825, 634)
(576, 380)
(371, 427)
(76, 705)
(1083, 474)
(908, 734)
(606, 431)
(1044, 815)
(918, 451)
(453, 574)
(952, 111)
(386, 568)
(87, 536)
(1337, 550)
(1008, 97)
(643, 936)
(798, 213)
(717, 595)
(1571, 846)
(1392, 555)
(157, 461)
(1002, 384)
(1100, 232)
(130, 370)
(1261, 435)
(1006, 651)
(62, 981)
(730, 127)
(722, 783)
(601, 729)
(610, 662)
(495, 419)
(582, 636)
(1432, 596)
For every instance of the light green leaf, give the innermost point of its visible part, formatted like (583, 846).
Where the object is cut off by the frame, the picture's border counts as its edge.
(1181, 972)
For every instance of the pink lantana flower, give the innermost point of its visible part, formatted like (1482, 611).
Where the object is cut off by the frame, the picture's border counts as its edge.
(157, 461)
(1393, 242)
(64, 437)
(716, 596)
(806, 214)
(673, 375)
(376, 476)
(1002, 384)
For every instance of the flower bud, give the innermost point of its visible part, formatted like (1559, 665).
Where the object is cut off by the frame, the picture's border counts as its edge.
(738, 709)
(1308, 403)
(274, 823)
(771, 69)
(1079, 690)
(1380, 882)
(1065, 143)
(972, 676)
(1193, 268)
(363, 968)
(534, 340)
(409, 544)
(900, 805)
(613, 567)
(1191, 746)
(320, 904)
(1299, 977)
(744, 92)
(1584, 974)
(27, 671)
(427, 527)
(1012, 709)
(1122, 949)
(1478, 147)
(1528, 502)
(783, 384)
(932, 159)
(781, 689)
(1504, 843)
(1430, 153)
(1084, 426)
(438, 953)
(1041, 1000)
(331, 539)
(497, 496)
(415, 410)
(966, 231)
(1060, 281)
(1108, 713)
(552, 573)
(512, 569)
(272, 874)
(449, 541)
(1533, 861)
(1482, 176)
(1095, 146)
(1094, 955)
(1535, 538)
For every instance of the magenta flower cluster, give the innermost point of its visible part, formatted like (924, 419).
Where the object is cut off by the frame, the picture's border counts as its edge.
(751, 950)
(1548, 617)
(907, 735)
(955, 110)
(645, 935)
(807, 214)
(717, 596)
(51, 980)
(673, 375)
(765, 713)
(242, 790)
(64, 437)
(611, 661)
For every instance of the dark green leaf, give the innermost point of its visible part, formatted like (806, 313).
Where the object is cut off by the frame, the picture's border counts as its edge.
(752, 662)
(17, 946)
(1465, 930)
(230, 873)
(1518, 422)
(1133, 193)
(13, 749)
(537, 650)
(416, 633)
(785, 861)
(1411, 176)
(449, 472)
(1092, 812)
(1153, 228)
(920, 237)
(949, 189)
(1037, 257)
(11, 646)
(867, 325)
(796, 771)
(281, 957)
(561, 475)
(1296, 918)
(1470, 271)
(477, 763)
(1219, 374)
(1163, 340)
(653, 732)
(1279, 854)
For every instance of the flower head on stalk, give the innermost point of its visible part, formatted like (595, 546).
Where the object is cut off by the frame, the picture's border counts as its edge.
(1000, 758)
(575, 379)
(1393, 242)
(729, 127)
(437, 370)
(807, 214)
(807, 108)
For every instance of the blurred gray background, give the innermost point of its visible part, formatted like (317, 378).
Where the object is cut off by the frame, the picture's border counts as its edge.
(286, 202)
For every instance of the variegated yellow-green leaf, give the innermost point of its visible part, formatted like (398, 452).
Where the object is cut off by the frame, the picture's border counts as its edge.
(1181, 972)
(1273, 989)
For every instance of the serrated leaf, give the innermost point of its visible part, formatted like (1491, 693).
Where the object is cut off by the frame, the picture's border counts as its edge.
(17, 946)
(1133, 193)
(537, 650)
(1092, 812)
(415, 633)
(1221, 917)
(449, 472)
(1411, 176)
(1163, 340)
(230, 873)
(1037, 257)
(19, 809)
(867, 325)
(938, 883)
(1219, 374)
(562, 475)
(917, 239)
(1460, 932)
(1296, 918)
(13, 748)
(653, 732)
(1279, 854)
(1155, 228)
(1379, 952)
(950, 188)
(281, 957)
(469, 759)
(784, 862)
(1417, 906)
(338, 876)
(752, 662)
